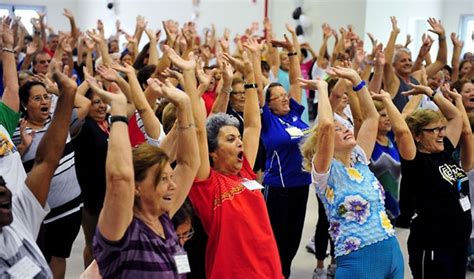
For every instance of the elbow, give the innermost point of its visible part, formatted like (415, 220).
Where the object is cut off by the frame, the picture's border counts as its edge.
(325, 126)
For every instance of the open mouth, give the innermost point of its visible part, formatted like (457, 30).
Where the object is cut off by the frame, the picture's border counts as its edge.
(44, 109)
(167, 198)
(348, 137)
(240, 156)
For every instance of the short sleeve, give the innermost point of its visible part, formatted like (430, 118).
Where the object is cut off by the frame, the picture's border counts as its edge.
(296, 108)
(27, 208)
(76, 123)
(8, 118)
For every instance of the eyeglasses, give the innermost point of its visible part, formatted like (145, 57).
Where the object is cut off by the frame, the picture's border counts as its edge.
(39, 98)
(435, 130)
(44, 61)
(238, 93)
(187, 235)
(279, 98)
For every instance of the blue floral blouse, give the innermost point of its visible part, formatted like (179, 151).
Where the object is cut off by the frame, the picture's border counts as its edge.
(354, 202)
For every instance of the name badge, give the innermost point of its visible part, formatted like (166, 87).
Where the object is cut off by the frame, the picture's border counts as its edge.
(465, 203)
(294, 132)
(25, 268)
(252, 184)
(182, 263)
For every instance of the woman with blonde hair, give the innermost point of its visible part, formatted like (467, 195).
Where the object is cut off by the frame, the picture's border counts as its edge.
(352, 196)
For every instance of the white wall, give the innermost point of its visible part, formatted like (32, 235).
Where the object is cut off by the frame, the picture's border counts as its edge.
(451, 18)
(233, 14)
(54, 9)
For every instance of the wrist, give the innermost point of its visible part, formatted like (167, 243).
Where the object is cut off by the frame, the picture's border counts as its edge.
(359, 86)
(442, 37)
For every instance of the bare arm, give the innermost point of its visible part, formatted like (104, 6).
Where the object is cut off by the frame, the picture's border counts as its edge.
(325, 127)
(390, 79)
(376, 83)
(51, 147)
(10, 79)
(458, 45)
(405, 143)
(294, 71)
(442, 57)
(117, 211)
(222, 99)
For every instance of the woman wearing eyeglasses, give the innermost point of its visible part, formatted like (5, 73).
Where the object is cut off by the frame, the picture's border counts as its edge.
(61, 226)
(286, 183)
(90, 146)
(436, 188)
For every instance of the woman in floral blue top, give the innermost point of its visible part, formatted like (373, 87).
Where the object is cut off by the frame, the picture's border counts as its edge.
(365, 241)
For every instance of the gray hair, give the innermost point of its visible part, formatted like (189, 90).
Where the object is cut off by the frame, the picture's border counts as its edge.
(214, 124)
(399, 51)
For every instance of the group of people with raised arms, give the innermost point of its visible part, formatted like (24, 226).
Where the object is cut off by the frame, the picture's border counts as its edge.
(154, 155)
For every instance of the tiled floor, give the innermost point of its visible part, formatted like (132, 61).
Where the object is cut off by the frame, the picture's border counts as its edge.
(303, 264)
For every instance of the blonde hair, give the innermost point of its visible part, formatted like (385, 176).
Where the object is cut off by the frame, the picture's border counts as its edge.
(308, 148)
(146, 156)
(379, 105)
(420, 118)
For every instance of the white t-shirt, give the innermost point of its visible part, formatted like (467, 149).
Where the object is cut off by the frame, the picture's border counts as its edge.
(11, 167)
(18, 240)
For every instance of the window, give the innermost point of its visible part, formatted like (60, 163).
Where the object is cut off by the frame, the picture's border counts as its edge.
(467, 32)
(26, 12)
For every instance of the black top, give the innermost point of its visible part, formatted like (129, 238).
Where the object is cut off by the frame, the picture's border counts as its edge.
(91, 152)
(429, 189)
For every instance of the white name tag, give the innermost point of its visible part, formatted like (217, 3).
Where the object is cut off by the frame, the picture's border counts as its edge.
(252, 184)
(25, 268)
(465, 203)
(182, 263)
(294, 132)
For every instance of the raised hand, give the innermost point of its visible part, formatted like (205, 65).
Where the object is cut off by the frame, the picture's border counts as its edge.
(372, 39)
(141, 23)
(450, 94)
(436, 26)
(7, 32)
(316, 84)
(96, 37)
(67, 13)
(379, 58)
(395, 27)
(31, 48)
(107, 73)
(341, 72)
(90, 44)
(236, 63)
(100, 26)
(418, 89)
(456, 41)
(381, 95)
(408, 41)
(117, 98)
(286, 44)
(167, 90)
(426, 46)
(253, 45)
(51, 87)
(327, 31)
(171, 33)
(126, 69)
(290, 28)
(151, 34)
(26, 138)
(178, 61)
(172, 74)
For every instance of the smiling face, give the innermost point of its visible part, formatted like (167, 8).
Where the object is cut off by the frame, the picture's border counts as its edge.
(430, 140)
(284, 61)
(229, 154)
(403, 64)
(38, 105)
(434, 82)
(6, 216)
(278, 101)
(384, 121)
(98, 108)
(467, 93)
(465, 68)
(343, 138)
(41, 63)
(157, 195)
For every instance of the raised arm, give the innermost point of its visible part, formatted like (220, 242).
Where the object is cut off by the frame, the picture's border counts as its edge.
(390, 79)
(327, 32)
(467, 138)
(255, 50)
(452, 114)
(72, 22)
(51, 147)
(99, 40)
(252, 122)
(187, 155)
(405, 143)
(153, 51)
(295, 69)
(10, 79)
(150, 122)
(368, 130)
(455, 61)
(442, 57)
(324, 130)
(117, 211)
(376, 83)
(222, 99)
(199, 112)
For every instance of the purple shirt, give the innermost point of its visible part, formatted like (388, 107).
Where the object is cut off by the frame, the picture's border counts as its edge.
(141, 253)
